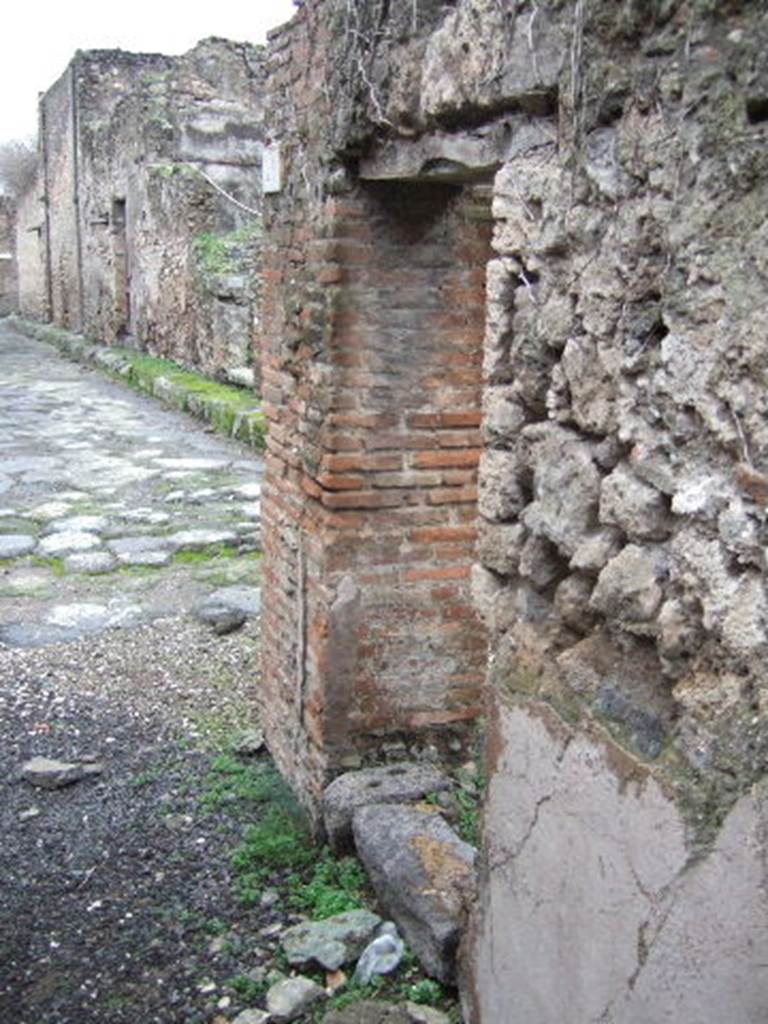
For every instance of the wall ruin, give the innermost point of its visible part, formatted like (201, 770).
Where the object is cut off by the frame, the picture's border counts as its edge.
(136, 244)
(620, 568)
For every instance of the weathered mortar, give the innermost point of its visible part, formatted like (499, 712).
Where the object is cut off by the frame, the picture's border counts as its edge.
(623, 486)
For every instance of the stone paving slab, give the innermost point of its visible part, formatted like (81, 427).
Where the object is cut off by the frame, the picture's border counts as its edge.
(115, 511)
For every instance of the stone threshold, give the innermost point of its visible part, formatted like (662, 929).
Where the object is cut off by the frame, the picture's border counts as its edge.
(230, 410)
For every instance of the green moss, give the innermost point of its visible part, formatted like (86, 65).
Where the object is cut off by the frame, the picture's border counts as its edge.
(231, 410)
(222, 253)
(204, 554)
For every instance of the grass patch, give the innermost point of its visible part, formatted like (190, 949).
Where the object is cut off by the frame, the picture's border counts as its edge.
(334, 887)
(205, 554)
(56, 565)
(250, 991)
(280, 843)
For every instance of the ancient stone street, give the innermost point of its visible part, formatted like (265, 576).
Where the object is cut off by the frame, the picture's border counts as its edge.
(113, 511)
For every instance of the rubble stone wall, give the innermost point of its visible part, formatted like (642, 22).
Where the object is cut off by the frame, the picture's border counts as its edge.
(620, 567)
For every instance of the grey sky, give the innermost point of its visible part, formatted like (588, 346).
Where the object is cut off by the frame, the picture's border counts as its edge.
(38, 39)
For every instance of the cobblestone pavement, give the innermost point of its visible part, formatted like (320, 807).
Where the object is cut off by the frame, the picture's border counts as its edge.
(114, 512)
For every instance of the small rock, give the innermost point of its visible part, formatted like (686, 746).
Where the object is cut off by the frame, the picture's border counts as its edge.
(252, 1016)
(423, 874)
(47, 773)
(152, 558)
(288, 999)
(136, 545)
(197, 539)
(381, 956)
(93, 562)
(13, 545)
(78, 524)
(426, 1014)
(222, 618)
(270, 930)
(252, 491)
(369, 1011)
(242, 376)
(67, 542)
(269, 898)
(31, 812)
(332, 942)
(244, 599)
(250, 741)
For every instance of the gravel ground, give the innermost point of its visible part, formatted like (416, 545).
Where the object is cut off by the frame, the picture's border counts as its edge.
(115, 890)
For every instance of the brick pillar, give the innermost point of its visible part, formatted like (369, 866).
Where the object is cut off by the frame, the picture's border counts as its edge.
(372, 329)
(372, 385)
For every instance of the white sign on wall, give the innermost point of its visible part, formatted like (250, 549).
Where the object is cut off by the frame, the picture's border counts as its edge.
(271, 169)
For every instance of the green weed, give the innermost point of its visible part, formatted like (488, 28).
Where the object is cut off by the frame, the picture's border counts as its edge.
(56, 565)
(232, 781)
(249, 990)
(470, 798)
(335, 886)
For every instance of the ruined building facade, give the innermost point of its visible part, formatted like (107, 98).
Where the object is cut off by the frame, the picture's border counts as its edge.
(533, 236)
(127, 235)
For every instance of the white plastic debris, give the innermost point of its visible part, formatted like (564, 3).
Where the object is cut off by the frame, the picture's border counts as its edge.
(381, 956)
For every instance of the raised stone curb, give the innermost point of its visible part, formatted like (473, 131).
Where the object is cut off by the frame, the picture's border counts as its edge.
(229, 412)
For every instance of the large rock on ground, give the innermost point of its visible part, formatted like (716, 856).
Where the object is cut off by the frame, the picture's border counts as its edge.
(424, 876)
(394, 784)
(332, 942)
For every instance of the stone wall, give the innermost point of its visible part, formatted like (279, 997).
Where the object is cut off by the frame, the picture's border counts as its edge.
(145, 250)
(620, 566)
